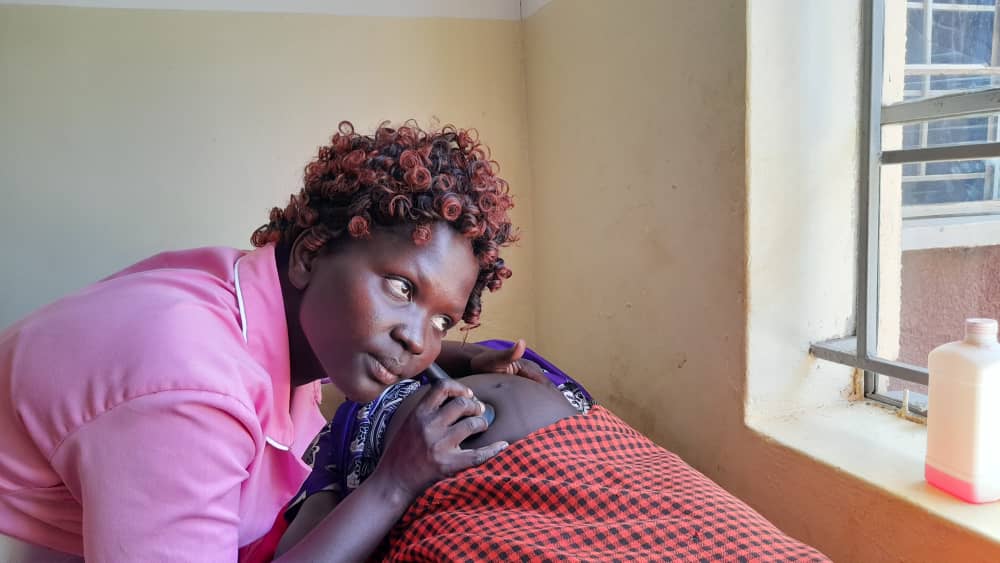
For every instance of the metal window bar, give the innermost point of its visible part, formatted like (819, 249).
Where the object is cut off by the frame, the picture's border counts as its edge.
(946, 7)
(860, 351)
(925, 81)
(991, 183)
(909, 93)
(928, 68)
(950, 69)
(949, 152)
(946, 177)
(961, 103)
(951, 105)
(957, 209)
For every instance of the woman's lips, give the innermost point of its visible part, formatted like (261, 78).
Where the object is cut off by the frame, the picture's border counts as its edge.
(380, 373)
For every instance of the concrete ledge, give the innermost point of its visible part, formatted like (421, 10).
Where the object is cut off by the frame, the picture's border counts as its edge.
(872, 444)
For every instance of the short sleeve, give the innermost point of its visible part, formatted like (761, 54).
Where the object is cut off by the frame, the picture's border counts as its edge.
(159, 477)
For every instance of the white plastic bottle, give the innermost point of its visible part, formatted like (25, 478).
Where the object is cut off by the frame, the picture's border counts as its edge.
(963, 415)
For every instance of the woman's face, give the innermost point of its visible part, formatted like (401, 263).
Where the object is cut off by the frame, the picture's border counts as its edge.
(375, 310)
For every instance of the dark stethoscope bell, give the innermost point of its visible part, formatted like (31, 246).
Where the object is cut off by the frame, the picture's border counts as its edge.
(489, 414)
(435, 373)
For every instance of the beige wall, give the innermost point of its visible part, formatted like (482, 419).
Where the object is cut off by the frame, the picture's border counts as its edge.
(636, 114)
(123, 133)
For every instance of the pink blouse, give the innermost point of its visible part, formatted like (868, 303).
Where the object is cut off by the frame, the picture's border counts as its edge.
(150, 416)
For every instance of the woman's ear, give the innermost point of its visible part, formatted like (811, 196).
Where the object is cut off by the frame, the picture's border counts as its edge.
(301, 261)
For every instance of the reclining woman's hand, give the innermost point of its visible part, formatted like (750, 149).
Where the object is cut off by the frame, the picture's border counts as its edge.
(510, 361)
(427, 446)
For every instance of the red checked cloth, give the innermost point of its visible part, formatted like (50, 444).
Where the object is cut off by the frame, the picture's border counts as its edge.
(588, 488)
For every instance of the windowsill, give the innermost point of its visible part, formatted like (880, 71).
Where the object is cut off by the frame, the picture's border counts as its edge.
(951, 232)
(873, 444)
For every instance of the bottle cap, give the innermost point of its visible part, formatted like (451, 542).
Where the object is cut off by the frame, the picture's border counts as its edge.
(981, 330)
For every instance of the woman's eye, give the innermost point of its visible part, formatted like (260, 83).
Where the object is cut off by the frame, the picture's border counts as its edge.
(442, 323)
(400, 288)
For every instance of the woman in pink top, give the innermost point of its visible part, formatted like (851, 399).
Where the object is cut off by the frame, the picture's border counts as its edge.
(161, 414)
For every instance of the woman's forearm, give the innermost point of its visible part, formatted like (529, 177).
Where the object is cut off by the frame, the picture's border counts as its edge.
(354, 528)
(455, 357)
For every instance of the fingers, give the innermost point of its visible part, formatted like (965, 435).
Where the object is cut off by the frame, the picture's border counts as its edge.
(464, 428)
(532, 371)
(498, 360)
(452, 411)
(511, 358)
(471, 458)
(518, 350)
(428, 447)
(464, 418)
(460, 407)
(479, 456)
(441, 391)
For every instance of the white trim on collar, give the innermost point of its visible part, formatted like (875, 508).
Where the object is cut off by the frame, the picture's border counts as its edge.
(239, 298)
(243, 328)
(277, 444)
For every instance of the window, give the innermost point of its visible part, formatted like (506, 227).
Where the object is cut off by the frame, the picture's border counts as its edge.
(929, 240)
(949, 49)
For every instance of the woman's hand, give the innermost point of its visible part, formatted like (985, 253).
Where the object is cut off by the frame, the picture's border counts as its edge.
(424, 449)
(427, 446)
(510, 361)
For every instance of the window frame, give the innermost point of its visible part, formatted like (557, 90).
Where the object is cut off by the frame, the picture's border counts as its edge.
(859, 350)
(929, 70)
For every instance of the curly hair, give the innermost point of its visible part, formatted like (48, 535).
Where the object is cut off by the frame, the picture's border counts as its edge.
(396, 176)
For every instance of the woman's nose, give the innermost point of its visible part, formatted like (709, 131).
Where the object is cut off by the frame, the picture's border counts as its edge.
(411, 335)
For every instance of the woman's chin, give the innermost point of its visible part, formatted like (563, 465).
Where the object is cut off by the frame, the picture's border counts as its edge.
(367, 392)
(364, 390)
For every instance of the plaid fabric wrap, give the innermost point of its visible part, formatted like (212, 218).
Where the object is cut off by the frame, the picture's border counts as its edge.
(588, 488)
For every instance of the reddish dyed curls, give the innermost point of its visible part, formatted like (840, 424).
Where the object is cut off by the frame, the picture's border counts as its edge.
(402, 176)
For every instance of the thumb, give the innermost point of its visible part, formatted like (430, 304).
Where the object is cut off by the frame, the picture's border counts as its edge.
(495, 360)
(517, 351)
